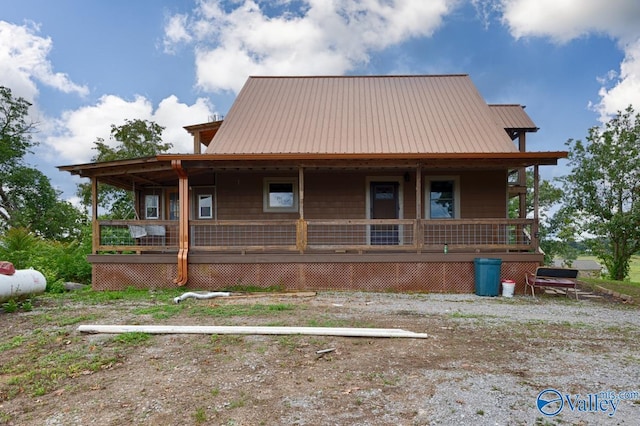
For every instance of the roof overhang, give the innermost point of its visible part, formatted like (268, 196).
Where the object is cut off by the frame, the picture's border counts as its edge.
(158, 171)
(205, 131)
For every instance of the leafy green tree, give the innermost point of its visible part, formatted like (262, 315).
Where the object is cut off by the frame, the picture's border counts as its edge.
(603, 190)
(134, 139)
(27, 198)
(34, 204)
(15, 131)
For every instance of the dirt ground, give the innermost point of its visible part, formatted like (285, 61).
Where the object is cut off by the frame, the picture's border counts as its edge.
(485, 362)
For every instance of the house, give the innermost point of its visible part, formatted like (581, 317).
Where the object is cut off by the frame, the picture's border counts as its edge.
(380, 183)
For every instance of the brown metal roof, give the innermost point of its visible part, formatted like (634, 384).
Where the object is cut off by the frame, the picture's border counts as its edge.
(513, 117)
(360, 115)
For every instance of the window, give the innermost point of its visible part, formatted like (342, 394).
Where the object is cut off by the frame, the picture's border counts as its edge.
(280, 195)
(205, 206)
(174, 206)
(151, 207)
(443, 200)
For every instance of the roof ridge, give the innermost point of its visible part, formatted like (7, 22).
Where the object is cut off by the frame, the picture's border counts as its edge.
(360, 76)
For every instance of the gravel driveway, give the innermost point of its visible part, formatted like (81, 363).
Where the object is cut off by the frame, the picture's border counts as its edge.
(485, 362)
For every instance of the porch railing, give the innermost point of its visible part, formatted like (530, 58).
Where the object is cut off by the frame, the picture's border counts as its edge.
(136, 235)
(320, 235)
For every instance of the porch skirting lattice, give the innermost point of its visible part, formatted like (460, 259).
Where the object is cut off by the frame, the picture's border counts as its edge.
(440, 277)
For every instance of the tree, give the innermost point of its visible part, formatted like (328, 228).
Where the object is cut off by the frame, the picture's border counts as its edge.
(136, 138)
(34, 204)
(15, 131)
(27, 198)
(603, 190)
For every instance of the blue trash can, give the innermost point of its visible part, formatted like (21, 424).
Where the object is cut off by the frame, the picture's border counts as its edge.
(487, 276)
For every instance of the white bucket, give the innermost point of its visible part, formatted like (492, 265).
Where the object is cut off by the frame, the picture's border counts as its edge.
(508, 287)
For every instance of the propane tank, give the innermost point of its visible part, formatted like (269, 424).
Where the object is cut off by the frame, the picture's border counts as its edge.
(22, 283)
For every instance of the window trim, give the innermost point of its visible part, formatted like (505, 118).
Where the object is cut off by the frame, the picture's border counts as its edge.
(456, 195)
(200, 198)
(147, 205)
(267, 208)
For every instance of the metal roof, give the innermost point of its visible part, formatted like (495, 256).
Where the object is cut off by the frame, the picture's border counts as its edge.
(441, 114)
(513, 117)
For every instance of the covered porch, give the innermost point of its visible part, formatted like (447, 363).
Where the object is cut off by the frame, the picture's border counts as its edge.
(312, 247)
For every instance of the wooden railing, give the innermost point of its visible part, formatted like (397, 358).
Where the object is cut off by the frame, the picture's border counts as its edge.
(321, 235)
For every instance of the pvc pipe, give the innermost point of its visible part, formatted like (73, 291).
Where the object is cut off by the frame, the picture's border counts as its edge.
(22, 283)
(202, 329)
(204, 295)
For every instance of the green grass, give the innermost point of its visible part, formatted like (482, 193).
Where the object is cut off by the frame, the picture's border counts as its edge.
(42, 361)
(90, 296)
(630, 287)
(625, 287)
(244, 288)
(227, 311)
(132, 338)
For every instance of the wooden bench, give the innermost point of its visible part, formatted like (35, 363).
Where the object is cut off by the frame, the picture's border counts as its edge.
(552, 277)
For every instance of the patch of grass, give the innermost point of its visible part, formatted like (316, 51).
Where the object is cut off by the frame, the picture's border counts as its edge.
(249, 288)
(237, 403)
(227, 311)
(226, 339)
(4, 418)
(49, 360)
(289, 341)
(132, 338)
(74, 320)
(629, 288)
(10, 306)
(160, 311)
(200, 416)
(14, 342)
(92, 297)
(458, 314)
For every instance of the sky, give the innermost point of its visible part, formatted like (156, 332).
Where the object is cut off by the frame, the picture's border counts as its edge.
(88, 65)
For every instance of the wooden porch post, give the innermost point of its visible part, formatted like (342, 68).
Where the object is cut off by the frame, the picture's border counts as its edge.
(301, 228)
(522, 178)
(196, 143)
(183, 226)
(95, 226)
(417, 231)
(536, 200)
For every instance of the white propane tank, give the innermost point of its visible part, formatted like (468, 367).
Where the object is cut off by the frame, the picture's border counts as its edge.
(22, 283)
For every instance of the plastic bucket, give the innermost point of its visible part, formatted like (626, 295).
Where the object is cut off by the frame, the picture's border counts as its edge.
(508, 287)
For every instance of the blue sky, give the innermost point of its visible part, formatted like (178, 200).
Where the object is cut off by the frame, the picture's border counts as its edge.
(86, 65)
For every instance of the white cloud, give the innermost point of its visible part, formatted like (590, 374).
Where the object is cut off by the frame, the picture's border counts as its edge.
(176, 32)
(626, 86)
(565, 20)
(24, 60)
(77, 130)
(309, 37)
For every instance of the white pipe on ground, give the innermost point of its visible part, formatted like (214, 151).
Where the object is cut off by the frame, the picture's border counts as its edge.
(203, 295)
(22, 283)
(203, 329)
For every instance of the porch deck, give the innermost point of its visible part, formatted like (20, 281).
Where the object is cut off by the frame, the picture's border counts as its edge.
(368, 255)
